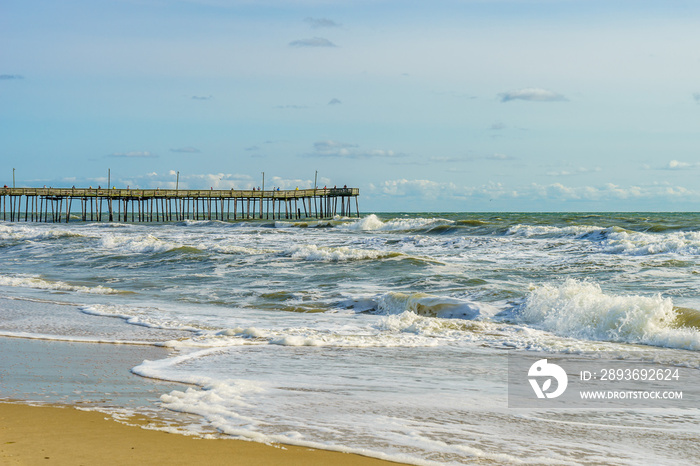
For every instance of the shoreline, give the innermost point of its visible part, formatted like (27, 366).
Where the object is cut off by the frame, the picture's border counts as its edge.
(68, 436)
(78, 403)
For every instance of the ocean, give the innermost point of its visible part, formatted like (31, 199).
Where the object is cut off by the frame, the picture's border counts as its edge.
(387, 335)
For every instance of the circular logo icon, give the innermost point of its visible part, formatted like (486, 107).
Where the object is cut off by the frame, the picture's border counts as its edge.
(547, 372)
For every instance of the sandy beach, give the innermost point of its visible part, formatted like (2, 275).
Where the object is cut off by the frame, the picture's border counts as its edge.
(67, 436)
(69, 376)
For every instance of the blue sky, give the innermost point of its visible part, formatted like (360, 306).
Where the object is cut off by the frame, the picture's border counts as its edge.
(512, 105)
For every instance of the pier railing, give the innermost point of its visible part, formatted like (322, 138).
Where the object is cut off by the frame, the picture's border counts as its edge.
(148, 205)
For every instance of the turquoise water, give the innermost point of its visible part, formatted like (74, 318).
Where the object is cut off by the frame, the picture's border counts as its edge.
(385, 335)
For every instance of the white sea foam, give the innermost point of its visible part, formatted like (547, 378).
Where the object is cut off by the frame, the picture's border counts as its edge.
(312, 252)
(233, 249)
(75, 339)
(374, 223)
(615, 240)
(380, 336)
(312, 401)
(580, 309)
(145, 244)
(144, 317)
(33, 233)
(203, 223)
(37, 282)
(644, 244)
(529, 231)
(307, 223)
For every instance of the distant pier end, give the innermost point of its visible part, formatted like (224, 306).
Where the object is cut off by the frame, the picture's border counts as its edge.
(166, 205)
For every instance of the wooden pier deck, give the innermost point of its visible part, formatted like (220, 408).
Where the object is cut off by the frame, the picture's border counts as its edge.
(167, 205)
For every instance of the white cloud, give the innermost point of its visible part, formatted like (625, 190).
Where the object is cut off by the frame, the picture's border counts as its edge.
(313, 42)
(445, 159)
(190, 181)
(186, 150)
(574, 171)
(412, 188)
(209, 180)
(549, 194)
(134, 154)
(497, 156)
(321, 23)
(292, 183)
(532, 95)
(678, 165)
(605, 193)
(292, 107)
(342, 149)
(332, 147)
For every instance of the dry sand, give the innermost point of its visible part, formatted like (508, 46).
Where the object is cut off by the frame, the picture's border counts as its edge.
(31, 435)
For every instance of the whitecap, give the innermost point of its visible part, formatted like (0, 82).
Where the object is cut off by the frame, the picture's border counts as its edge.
(580, 309)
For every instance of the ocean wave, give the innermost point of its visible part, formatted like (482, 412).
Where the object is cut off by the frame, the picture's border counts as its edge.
(291, 412)
(616, 240)
(381, 336)
(433, 306)
(147, 244)
(233, 249)
(686, 317)
(37, 282)
(644, 244)
(580, 309)
(281, 224)
(200, 223)
(25, 233)
(150, 244)
(74, 339)
(311, 252)
(547, 231)
(473, 223)
(143, 317)
(374, 223)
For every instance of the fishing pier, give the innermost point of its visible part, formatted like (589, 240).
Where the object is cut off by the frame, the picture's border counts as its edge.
(167, 205)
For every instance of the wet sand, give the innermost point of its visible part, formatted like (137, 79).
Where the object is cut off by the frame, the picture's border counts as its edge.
(44, 435)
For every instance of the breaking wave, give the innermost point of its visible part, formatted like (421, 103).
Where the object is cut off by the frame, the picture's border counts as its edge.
(546, 231)
(311, 252)
(580, 309)
(423, 304)
(24, 233)
(147, 244)
(374, 223)
(36, 282)
(644, 244)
